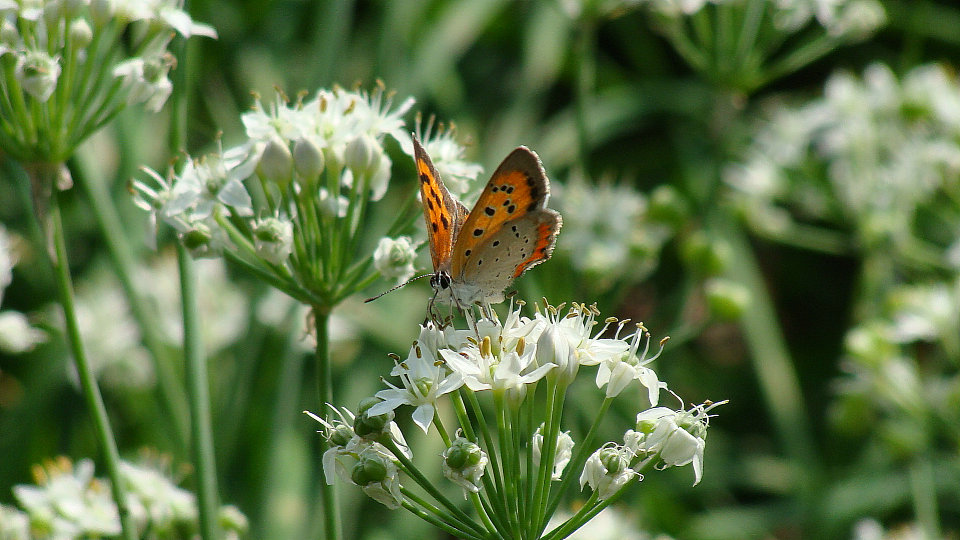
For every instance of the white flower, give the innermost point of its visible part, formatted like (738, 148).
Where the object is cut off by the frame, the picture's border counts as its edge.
(502, 369)
(464, 463)
(607, 236)
(145, 79)
(607, 470)
(153, 200)
(446, 154)
(157, 503)
(394, 258)
(561, 458)
(37, 72)
(8, 259)
(216, 179)
(69, 501)
(424, 380)
(581, 348)
(14, 524)
(273, 239)
(677, 438)
(617, 371)
(16, 334)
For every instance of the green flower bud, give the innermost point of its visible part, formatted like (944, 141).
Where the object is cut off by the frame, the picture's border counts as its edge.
(367, 471)
(613, 460)
(668, 206)
(705, 256)
(341, 436)
(727, 299)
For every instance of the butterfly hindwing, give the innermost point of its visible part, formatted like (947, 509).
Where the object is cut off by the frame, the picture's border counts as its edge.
(517, 188)
(442, 213)
(519, 245)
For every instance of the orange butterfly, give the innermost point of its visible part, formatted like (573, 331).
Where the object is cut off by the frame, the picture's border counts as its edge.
(477, 254)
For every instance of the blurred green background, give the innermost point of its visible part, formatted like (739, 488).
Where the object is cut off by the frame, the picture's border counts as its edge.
(793, 296)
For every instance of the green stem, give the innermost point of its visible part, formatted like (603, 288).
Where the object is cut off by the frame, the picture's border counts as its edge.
(88, 383)
(328, 494)
(198, 393)
(585, 77)
(924, 490)
(436, 522)
(421, 480)
(772, 363)
(124, 264)
(576, 464)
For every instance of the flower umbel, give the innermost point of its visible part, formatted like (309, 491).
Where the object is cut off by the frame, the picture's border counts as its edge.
(516, 370)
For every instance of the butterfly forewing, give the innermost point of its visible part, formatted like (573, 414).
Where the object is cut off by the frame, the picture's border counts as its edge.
(442, 213)
(517, 188)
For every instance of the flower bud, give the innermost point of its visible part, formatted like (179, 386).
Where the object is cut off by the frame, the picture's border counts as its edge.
(273, 239)
(370, 427)
(80, 33)
(394, 258)
(667, 206)
(464, 463)
(9, 35)
(340, 436)
(232, 519)
(37, 73)
(727, 299)
(705, 256)
(369, 469)
(276, 163)
(554, 348)
(362, 156)
(308, 160)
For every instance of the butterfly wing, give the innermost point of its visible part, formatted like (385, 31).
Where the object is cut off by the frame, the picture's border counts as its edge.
(508, 231)
(442, 213)
(517, 246)
(518, 187)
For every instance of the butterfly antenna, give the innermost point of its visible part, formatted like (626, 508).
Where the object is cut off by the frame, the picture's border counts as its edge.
(396, 287)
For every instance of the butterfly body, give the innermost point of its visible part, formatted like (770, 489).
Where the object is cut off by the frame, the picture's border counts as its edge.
(476, 254)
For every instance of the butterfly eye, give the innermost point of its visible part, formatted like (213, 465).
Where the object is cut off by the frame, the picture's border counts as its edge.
(440, 280)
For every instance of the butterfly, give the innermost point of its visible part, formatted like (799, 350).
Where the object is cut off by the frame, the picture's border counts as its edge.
(476, 254)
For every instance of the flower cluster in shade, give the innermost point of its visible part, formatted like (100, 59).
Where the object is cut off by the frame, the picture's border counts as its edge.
(17, 334)
(868, 156)
(840, 18)
(610, 234)
(291, 199)
(68, 502)
(71, 65)
(507, 360)
(899, 367)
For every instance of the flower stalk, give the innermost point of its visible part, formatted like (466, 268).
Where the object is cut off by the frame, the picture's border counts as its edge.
(88, 383)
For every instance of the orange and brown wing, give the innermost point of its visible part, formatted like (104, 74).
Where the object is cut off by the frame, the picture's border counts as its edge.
(518, 187)
(442, 213)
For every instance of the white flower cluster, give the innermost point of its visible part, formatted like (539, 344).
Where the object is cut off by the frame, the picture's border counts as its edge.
(608, 234)
(508, 359)
(840, 18)
(67, 502)
(869, 153)
(17, 335)
(112, 337)
(315, 165)
(65, 54)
